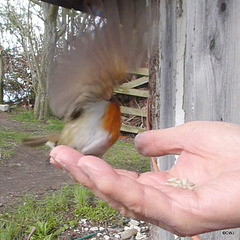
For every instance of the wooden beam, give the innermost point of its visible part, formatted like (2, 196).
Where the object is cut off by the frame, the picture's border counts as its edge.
(139, 71)
(134, 111)
(131, 129)
(136, 82)
(132, 92)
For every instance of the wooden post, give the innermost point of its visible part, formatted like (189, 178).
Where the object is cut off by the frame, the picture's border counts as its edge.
(195, 71)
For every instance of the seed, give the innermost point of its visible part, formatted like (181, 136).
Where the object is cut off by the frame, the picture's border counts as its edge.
(184, 183)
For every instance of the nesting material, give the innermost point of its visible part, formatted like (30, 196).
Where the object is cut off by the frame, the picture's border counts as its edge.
(178, 183)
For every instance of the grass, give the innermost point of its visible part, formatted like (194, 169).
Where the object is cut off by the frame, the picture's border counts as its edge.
(27, 119)
(62, 210)
(123, 155)
(54, 214)
(8, 142)
(89, 207)
(27, 126)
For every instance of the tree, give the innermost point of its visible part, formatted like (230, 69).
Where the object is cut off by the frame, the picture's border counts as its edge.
(22, 36)
(1, 74)
(38, 47)
(50, 38)
(42, 31)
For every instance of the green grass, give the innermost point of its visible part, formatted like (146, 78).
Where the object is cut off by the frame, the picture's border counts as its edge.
(58, 212)
(54, 214)
(27, 127)
(22, 116)
(27, 119)
(123, 155)
(9, 141)
(89, 207)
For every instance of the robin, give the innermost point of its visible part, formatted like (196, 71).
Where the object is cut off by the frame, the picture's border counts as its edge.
(81, 85)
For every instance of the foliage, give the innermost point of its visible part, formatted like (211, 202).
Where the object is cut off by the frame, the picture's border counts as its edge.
(88, 206)
(17, 83)
(48, 216)
(21, 39)
(32, 35)
(123, 155)
(54, 214)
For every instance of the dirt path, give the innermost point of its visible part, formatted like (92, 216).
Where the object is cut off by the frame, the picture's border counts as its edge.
(28, 171)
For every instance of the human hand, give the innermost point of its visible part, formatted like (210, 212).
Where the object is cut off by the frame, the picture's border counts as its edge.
(209, 156)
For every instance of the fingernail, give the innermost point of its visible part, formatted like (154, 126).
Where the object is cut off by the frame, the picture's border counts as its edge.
(139, 138)
(52, 160)
(139, 141)
(52, 154)
(56, 161)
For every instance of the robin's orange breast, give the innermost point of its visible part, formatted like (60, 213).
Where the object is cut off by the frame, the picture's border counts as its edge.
(112, 121)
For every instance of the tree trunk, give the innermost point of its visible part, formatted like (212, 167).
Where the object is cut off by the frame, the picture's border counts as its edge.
(1, 74)
(196, 71)
(50, 13)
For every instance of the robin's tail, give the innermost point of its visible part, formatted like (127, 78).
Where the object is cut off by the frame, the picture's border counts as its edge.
(50, 140)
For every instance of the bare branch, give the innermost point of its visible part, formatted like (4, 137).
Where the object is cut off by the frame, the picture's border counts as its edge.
(36, 2)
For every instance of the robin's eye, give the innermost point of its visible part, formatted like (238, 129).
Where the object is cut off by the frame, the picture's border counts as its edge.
(76, 113)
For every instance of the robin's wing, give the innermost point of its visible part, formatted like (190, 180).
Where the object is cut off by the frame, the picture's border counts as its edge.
(99, 57)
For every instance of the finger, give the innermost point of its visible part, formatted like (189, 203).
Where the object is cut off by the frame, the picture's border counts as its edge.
(67, 159)
(190, 136)
(99, 162)
(65, 152)
(160, 142)
(140, 201)
(130, 174)
(156, 179)
(137, 198)
(97, 169)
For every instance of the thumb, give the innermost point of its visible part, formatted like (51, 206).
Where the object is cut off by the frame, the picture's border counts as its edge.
(162, 142)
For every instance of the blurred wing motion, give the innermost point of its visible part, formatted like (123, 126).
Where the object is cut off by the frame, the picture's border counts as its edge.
(81, 84)
(99, 57)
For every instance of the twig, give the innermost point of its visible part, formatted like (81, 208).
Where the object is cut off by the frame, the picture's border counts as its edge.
(153, 159)
(32, 232)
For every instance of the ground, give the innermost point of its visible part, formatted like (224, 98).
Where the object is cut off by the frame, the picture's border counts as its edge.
(28, 171)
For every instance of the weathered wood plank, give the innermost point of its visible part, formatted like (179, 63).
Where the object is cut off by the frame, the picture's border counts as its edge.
(136, 83)
(131, 92)
(212, 69)
(139, 71)
(198, 77)
(131, 129)
(134, 111)
(212, 73)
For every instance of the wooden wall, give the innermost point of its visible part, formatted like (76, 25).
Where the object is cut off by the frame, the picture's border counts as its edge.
(195, 67)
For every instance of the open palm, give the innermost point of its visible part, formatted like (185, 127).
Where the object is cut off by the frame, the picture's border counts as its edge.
(209, 156)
